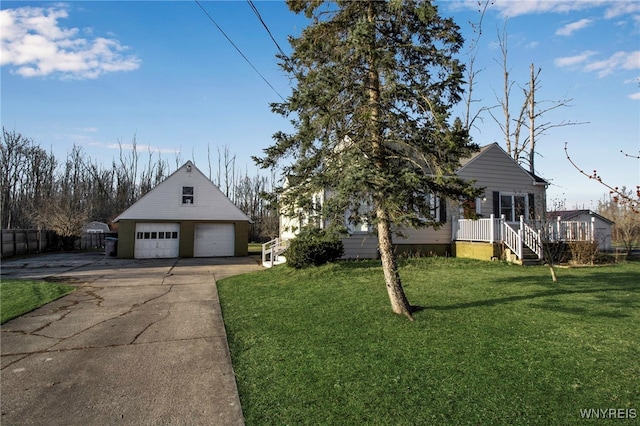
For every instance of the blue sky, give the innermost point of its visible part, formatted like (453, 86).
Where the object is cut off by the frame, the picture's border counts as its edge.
(99, 73)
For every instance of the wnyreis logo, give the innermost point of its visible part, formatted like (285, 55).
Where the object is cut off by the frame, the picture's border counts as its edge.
(608, 413)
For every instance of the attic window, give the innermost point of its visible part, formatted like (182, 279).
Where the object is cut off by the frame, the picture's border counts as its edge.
(187, 195)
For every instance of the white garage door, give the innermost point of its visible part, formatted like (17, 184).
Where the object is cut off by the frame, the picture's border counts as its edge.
(214, 239)
(157, 240)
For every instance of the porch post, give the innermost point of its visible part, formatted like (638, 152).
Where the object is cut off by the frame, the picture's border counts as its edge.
(492, 229)
(593, 228)
(559, 225)
(502, 221)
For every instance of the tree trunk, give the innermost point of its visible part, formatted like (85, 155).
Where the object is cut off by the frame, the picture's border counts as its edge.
(552, 269)
(399, 302)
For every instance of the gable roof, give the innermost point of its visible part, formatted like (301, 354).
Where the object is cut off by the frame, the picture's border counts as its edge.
(573, 214)
(537, 180)
(164, 201)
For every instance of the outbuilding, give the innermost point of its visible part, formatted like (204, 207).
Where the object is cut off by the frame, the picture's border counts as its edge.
(184, 216)
(602, 226)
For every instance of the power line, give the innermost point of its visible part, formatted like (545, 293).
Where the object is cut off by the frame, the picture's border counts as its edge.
(255, 10)
(237, 48)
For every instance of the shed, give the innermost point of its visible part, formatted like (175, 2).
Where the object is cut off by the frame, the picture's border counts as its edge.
(184, 216)
(95, 227)
(602, 225)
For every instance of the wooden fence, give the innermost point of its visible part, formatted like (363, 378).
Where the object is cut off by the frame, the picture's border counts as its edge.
(15, 242)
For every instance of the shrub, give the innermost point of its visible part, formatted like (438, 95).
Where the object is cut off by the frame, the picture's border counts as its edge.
(584, 252)
(313, 247)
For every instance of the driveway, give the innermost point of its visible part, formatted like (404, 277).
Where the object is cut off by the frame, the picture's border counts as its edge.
(139, 342)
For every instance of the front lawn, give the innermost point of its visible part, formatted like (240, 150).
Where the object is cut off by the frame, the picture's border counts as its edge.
(20, 296)
(492, 343)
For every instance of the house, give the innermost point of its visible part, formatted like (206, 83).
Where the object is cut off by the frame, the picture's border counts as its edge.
(184, 216)
(510, 193)
(583, 224)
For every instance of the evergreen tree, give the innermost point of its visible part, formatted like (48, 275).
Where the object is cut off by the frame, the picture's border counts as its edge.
(376, 82)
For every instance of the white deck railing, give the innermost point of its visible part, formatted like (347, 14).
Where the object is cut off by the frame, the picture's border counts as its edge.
(530, 234)
(272, 249)
(513, 239)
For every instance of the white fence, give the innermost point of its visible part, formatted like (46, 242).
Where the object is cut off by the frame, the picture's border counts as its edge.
(493, 229)
(530, 235)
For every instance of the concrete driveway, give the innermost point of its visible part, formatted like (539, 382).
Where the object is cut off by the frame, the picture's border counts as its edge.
(139, 342)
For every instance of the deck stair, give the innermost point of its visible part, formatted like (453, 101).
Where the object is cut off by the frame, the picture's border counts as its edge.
(272, 252)
(529, 257)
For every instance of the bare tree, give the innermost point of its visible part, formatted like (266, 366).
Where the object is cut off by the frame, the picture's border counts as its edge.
(64, 218)
(520, 145)
(472, 72)
(626, 229)
(26, 178)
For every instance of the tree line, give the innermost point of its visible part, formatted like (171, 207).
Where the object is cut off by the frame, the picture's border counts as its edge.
(40, 191)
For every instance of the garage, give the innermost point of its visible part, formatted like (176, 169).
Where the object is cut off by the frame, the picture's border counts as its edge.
(185, 215)
(157, 240)
(214, 239)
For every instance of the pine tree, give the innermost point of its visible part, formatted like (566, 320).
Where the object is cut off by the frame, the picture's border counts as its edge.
(376, 82)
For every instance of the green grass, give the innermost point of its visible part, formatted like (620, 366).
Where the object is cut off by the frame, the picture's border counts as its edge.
(492, 343)
(20, 296)
(255, 248)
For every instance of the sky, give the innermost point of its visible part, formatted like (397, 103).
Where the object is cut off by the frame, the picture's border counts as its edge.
(101, 74)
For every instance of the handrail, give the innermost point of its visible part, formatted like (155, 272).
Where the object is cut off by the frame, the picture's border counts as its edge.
(532, 240)
(272, 249)
(513, 239)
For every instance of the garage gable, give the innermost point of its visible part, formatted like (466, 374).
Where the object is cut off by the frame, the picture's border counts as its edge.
(187, 194)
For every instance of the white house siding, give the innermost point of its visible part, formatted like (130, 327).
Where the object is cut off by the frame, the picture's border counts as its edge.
(494, 170)
(164, 202)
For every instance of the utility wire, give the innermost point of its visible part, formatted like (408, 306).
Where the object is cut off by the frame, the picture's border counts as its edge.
(237, 48)
(255, 10)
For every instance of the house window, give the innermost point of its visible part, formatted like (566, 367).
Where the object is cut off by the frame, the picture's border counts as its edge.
(187, 195)
(359, 227)
(435, 207)
(433, 201)
(512, 206)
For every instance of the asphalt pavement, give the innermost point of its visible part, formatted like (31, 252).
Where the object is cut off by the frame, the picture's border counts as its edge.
(140, 342)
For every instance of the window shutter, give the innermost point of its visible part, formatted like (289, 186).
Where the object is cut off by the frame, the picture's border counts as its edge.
(496, 203)
(532, 206)
(443, 210)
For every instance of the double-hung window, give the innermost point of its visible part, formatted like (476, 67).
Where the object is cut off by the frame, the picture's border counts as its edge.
(187, 195)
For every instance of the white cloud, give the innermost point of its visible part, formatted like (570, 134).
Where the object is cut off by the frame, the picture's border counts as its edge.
(635, 96)
(569, 29)
(34, 44)
(513, 8)
(619, 8)
(569, 61)
(619, 60)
